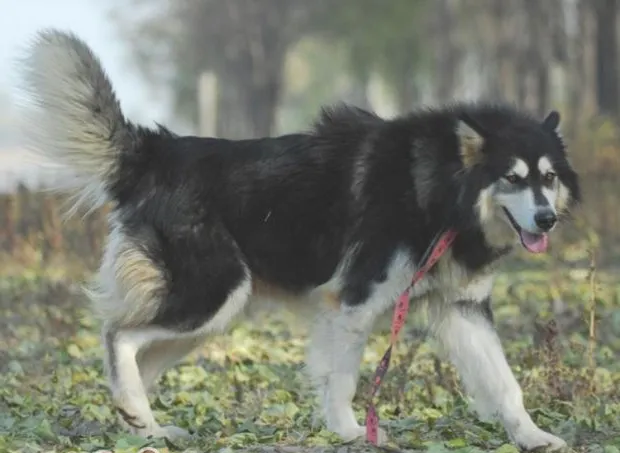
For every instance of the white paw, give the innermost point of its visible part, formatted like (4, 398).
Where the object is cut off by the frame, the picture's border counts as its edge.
(359, 432)
(536, 437)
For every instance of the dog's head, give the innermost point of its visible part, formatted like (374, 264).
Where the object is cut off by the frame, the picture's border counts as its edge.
(518, 175)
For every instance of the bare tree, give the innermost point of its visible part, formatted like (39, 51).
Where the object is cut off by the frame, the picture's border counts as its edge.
(244, 42)
(447, 49)
(606, 13)
(539, 56)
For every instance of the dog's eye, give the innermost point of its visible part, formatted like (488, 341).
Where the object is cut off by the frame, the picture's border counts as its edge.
(549, 176)
(512, 179)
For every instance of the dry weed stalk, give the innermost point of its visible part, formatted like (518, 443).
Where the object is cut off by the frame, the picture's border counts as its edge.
(592, 318)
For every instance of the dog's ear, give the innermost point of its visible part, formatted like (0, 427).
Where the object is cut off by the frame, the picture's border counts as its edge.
(471, 142)
(552, 121)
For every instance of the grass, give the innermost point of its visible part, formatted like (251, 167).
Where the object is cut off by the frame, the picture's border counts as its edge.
(560, 330)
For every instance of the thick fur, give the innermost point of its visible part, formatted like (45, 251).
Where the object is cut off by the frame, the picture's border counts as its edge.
(334, 219)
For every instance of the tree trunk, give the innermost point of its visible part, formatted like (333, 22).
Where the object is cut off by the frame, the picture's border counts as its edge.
(577, 84)
(607, 56)
(447, 53)
(360, 74)
(358, 93)
(407, 95)
(542, 90)
(250, 77)
(522, 69)
(539, 53)
(249, 91)
(234, 118)
(496, 15)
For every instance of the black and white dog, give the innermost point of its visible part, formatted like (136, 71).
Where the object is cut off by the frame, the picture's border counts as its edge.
(334, 218)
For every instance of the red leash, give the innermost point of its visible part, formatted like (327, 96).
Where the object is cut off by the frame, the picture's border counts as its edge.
(401, 309)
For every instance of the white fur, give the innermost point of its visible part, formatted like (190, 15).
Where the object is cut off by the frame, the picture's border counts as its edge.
(232, 307)
(74, 119)
(477, 289)
(561, 202)
(337, 344)
(551, 194)
(521, 206)
(128, 389)
(520, 168)
(339, 337)
(474, 348)
(544, 165)
(468, 339)
(142, 353)
(485, 204)
(128, 287)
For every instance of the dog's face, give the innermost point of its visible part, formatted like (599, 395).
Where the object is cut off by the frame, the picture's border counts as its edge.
(528, 182)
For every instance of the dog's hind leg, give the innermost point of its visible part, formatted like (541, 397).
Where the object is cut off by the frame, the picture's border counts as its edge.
(128, 391)
(160, 355)
(154, 316)
(128, 292)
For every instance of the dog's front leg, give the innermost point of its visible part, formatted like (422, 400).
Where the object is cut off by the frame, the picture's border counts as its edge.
(466, 335)
(333, 359)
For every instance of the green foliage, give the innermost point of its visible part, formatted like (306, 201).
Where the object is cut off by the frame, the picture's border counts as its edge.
(247, 390)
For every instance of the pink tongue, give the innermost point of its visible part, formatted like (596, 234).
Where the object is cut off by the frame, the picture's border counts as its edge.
(534, 243)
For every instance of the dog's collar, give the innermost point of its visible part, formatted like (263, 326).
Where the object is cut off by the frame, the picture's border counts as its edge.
(438, 247)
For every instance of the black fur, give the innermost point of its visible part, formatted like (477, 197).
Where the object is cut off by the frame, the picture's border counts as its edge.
(290, 207)
(483, 307)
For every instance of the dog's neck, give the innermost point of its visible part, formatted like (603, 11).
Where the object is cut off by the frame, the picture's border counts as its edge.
(473, 250)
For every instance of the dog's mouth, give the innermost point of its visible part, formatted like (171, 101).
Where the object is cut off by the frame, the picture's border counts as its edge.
(533, 242)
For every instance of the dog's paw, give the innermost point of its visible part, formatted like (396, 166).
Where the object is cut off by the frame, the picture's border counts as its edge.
(359, 432)
(537, 438)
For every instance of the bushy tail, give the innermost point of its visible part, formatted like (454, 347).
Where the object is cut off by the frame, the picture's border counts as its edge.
(75, 120)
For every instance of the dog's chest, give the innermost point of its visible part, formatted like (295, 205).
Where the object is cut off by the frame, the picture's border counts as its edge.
(452, 281)
(448, 280)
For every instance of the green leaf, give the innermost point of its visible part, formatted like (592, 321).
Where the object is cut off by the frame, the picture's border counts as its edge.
(74, 351)
(44, 431)
(507, 448)
(456, 443)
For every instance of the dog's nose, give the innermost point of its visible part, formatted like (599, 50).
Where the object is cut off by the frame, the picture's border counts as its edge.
(545, 219)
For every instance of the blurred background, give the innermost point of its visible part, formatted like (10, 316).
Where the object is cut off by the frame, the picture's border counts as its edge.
(249, 68)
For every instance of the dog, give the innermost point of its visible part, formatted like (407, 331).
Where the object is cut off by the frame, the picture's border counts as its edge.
(333, 218)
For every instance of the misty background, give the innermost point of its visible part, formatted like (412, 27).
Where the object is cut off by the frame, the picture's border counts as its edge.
(249, 68)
